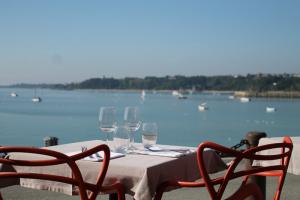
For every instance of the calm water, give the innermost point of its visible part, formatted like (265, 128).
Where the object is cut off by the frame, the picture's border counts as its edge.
(73, 116)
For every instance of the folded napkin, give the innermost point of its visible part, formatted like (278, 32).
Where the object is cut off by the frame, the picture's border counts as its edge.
(163, 151)
(176, 149)
(96, 156)
(159, 153)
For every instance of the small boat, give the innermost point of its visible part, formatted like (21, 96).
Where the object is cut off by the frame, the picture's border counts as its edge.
(231, 97)
(175, 93)
(202, 107)
(245, 99)
(13, 94)
(181, 96)
(36, 99)
(270, 109)
(192, 91)
(143, 95)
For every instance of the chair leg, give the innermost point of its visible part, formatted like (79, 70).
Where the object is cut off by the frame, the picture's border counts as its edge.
(121, 193)
(113, 196)
(279, 189)
(121, 196)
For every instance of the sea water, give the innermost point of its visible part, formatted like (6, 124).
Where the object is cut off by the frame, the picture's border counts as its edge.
(72, 116)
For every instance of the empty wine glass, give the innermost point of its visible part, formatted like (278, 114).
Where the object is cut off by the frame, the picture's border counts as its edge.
(132, 122)
(107, 122)
(149, 134)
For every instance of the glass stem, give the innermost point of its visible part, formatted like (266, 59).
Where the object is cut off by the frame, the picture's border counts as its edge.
(131, 138)
(109, 138)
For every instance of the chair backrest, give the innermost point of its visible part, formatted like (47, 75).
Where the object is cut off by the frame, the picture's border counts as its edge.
(252, 154)
(58, 158)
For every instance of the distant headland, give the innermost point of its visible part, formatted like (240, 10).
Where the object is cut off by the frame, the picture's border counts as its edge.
(253, 85)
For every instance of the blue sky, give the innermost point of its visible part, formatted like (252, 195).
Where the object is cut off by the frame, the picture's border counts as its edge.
(60, 41)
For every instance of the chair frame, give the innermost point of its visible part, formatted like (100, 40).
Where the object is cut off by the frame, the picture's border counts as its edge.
(60, 158)
(246, 189)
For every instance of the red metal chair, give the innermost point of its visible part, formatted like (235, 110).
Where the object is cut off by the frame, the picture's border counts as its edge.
(247, 188)
(87, 191)
(281, 173)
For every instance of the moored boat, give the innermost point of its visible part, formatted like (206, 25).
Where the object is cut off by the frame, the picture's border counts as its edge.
(175, 93)
(202, 107)
(231, 97)
(143, 95)
(36, 99)
(181, 96)
(245, 99)
(270, 109)
(13, 94)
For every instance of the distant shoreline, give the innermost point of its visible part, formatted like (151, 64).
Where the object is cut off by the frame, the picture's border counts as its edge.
(268, 94)
(265, 94)
(252, 85)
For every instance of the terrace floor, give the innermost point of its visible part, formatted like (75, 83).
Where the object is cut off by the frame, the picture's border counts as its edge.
(290, 192)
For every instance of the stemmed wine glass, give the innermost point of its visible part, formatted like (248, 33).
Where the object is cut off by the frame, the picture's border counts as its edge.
(107, 122)
(132, 122)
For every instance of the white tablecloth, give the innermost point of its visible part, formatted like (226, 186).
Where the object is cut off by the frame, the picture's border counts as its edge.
(140, 174)
(294, 166)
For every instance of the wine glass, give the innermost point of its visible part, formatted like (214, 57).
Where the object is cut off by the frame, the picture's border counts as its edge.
(107, 122)
(149, 134)
(132, 122)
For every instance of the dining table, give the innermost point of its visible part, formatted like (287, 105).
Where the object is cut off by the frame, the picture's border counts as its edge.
(140, 170)
(294, 165)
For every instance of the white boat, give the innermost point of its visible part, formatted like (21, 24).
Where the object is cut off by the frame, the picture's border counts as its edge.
(36, 99)
(143, 95)
(181, 96)
(245, 99)
(202, 107)
(175, 93)
(13, 94)
(231, 97)
(270, 109)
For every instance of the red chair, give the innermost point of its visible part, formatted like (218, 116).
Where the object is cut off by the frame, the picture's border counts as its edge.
(247, 188)
(87, 191)
(281, 173)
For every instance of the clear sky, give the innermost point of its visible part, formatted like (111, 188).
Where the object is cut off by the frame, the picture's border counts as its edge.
(61, 41)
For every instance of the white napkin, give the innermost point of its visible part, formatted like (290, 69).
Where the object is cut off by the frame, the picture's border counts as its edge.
(159, 153)
(163, 151)
(96, 156)
(177, 149)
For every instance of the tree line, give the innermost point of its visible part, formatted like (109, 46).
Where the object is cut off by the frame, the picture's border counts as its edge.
(250, 82)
